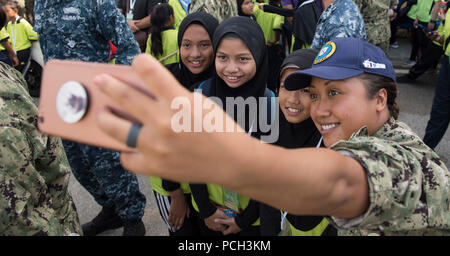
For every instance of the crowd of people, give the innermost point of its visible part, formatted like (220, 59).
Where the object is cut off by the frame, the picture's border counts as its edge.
(341, 164)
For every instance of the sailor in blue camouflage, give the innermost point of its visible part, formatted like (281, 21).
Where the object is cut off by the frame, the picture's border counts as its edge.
(34, 172)
(81, 30)
(409, 185)
(341, 19)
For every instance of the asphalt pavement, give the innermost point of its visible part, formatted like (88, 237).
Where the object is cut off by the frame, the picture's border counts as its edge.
(415, 104)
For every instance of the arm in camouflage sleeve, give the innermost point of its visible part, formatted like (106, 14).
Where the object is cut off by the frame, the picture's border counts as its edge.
(25, 203)
(114, 27)
(220, 9)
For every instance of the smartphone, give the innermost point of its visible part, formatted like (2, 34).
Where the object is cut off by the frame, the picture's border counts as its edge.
(424, 28)
(69, 101)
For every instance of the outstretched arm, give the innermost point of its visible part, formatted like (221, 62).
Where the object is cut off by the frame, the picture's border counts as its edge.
(312, 181)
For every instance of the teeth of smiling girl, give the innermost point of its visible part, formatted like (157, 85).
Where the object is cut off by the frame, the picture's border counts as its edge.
(293, 110)
(232, 77)
(328, 126)
(196, 62)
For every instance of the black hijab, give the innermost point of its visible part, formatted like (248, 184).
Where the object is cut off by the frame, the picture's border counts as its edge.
(251, 34)
(306, 19)
(179, 70)
(304, 134)
(241, 13)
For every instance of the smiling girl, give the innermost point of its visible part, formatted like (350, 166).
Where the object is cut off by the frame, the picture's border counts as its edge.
(195, 37)
(241, 71)
(297, 130)
(196, 53)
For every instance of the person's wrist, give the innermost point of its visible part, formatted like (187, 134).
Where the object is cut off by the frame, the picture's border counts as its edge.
(176, 193)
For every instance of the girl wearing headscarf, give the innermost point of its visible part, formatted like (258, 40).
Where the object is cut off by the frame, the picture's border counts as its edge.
(195, 37)
(196, 65)
(241, 71)
(296, 130)
(245, 8)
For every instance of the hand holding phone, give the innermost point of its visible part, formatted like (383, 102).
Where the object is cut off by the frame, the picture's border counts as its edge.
(70, 99)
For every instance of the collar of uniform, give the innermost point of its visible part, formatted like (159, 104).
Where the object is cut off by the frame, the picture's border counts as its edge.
(387, 126)
(364, 132)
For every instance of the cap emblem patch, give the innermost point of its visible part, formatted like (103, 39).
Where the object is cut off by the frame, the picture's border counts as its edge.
(326, 52)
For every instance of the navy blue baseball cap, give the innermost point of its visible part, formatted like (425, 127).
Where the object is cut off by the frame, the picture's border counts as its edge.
(340, 59)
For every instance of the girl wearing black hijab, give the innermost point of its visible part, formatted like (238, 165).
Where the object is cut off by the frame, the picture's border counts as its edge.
(241, 71)
(195, 36)
(196, 64)
(296, 130)
(245, 8)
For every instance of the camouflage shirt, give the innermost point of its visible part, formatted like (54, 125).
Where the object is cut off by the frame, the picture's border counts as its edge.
(375, 15)
(220, 9)
(409, 186)
(341, 19)
(82, 30)
(34, 172)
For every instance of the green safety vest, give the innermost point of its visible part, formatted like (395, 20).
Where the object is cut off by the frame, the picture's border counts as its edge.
(216, 196)
(446, 33)
(21, 34)
(268, 22)
(423, 10)
(304, 46)
(156, 183)
(178, 11)
(3, 36)
(170, 47)
(316, 231)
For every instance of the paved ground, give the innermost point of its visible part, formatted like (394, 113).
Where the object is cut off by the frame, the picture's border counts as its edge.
(415, 105)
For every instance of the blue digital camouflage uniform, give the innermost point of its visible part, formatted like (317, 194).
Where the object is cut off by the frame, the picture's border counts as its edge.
(34, 172)
(341, 19)
(81, 30)
(409, 185)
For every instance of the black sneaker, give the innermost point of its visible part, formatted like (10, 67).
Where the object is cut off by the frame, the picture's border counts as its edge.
(134, 228)
(405, 79)
(107, 219)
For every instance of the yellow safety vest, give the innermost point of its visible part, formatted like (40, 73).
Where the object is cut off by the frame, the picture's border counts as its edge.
(3, 36)
(156, 183)
(446, 32)
(216, 196)
(316, 231)
(268, 22)
(178, 11)
(170, 47)
(21, 34)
